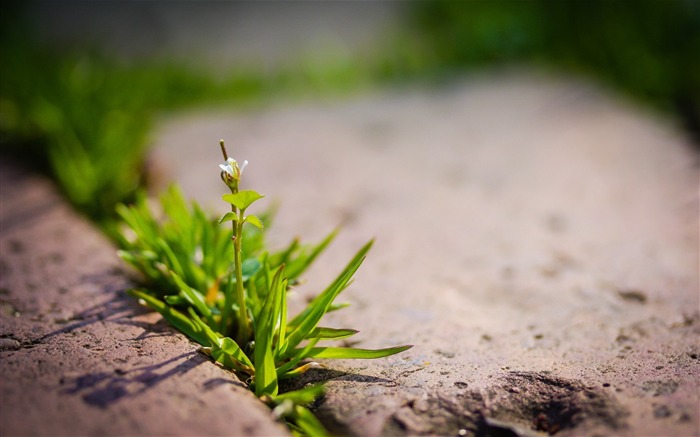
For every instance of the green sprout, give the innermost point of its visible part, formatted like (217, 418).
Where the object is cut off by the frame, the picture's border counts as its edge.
(227, 292)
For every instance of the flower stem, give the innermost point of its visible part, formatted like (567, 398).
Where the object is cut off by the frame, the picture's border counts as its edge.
(243, 321)
(243, 325)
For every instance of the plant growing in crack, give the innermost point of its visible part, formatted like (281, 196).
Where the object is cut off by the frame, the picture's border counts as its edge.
(237, 311)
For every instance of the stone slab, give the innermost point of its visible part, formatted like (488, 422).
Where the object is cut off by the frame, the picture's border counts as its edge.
(537, 240)
(78, 356)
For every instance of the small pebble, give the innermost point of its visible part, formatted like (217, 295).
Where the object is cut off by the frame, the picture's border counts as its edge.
(9, 344)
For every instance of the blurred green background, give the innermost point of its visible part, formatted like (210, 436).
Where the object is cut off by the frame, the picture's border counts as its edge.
(82, 81)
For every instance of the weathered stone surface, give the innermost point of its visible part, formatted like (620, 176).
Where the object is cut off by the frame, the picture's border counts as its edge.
(78, 356)
(536, 240)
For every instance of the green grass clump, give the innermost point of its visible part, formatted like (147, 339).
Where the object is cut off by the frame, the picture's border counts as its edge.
(226, 291)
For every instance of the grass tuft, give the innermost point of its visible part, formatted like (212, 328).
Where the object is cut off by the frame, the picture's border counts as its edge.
(223, 288)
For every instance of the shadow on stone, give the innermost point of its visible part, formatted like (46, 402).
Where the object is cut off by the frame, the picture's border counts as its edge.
(519, 404)
(118, 309)
(316, 376)
(102, 389)
(215, 382)
(551, 404)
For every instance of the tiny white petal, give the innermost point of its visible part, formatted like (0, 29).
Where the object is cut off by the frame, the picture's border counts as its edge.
(227, 168)
(245, 163)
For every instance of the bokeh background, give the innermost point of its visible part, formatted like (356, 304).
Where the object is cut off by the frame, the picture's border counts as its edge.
(82, 81)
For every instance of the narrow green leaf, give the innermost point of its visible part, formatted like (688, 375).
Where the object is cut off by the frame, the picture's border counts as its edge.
(230, 347)
(175, 317)
(126, 256)
(265, 371)
(354, 263)
(302, 396)
(331, 333)
(229, 216)
(299, 355)
(337, 306)
(175, 299)
(352, 353)
(230, 355)
(202, 327)
(307, 320)
(282, 333)
(308, 423)
(192, 296)
(224, 350)
(253, 220)
(242, 199)
(266, 382)
(299, 370)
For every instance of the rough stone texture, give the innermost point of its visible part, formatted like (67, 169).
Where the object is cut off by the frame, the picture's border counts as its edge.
(537, 241)
(78, 356)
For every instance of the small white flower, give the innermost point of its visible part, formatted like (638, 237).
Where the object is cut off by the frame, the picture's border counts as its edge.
(231, 167)
(228, 166)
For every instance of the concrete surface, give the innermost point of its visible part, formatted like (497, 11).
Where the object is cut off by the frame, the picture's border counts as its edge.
(78, 356)
(537, 240)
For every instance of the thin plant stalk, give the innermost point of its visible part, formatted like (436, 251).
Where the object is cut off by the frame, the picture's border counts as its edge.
(243, 321)
(243, 333)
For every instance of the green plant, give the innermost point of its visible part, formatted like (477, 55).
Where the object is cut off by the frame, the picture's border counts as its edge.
(238, 311)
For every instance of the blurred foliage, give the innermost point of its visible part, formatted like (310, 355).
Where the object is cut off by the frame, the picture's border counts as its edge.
(647, 48)
(86, 118)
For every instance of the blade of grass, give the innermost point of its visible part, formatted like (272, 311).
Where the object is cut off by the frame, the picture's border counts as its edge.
(300, 355)
(224, 350)
(331, 333)
(310, 317)
(282, 332)
(192, 296)
(175, 317)
(303, 396)
(228, 348)
(359, 257)
(354, 353)
(308, 423)
(300, 370)
(266, 373)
